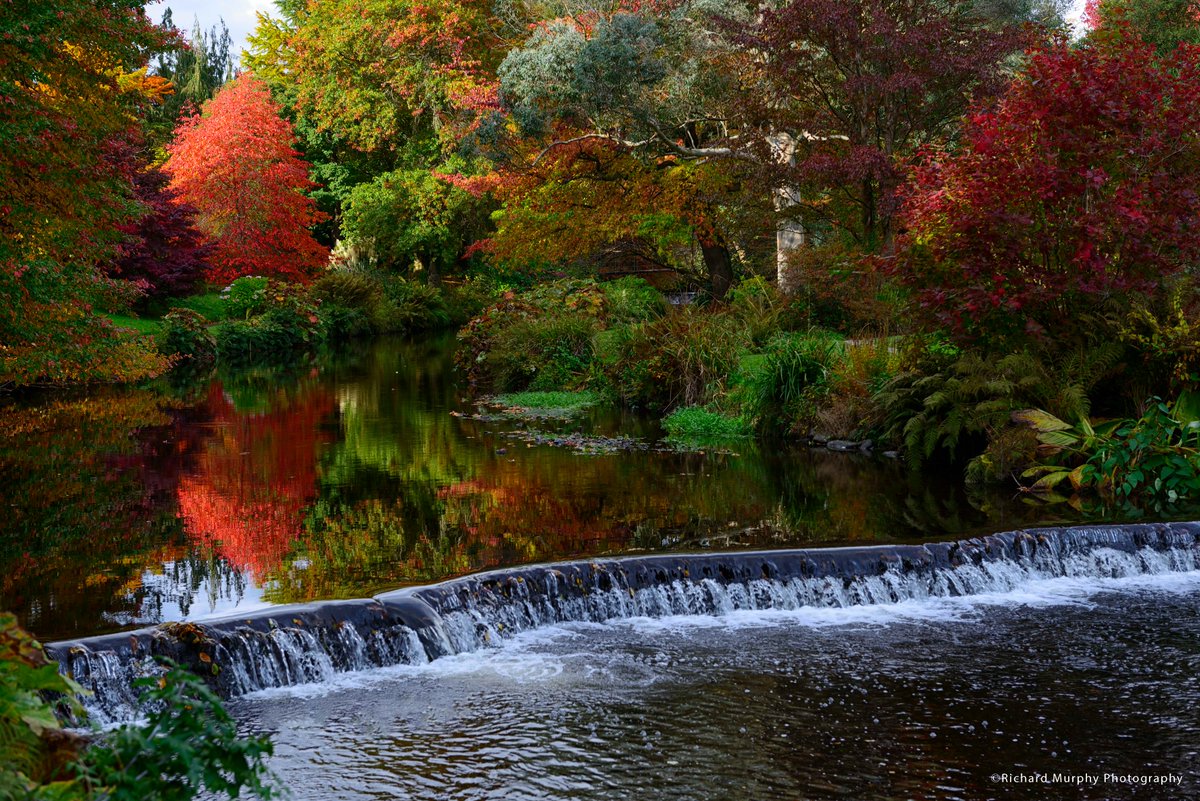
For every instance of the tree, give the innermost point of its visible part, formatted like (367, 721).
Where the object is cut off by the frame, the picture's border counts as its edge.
(1163, 23)
(236, 165)
(644, 88)
(196, 69)
(1081, 188)
(410, 215)
(165, 255)
(71, 85)
(841, 93)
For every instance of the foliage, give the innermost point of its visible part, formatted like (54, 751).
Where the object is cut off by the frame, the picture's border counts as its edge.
(71, 83)
(196, 68)
(188, 744)
(186, 338)
(854, 88)
(550, 351)
(951, 407)
(32, 740)
(697, 424)
(246, 297)
(1155, 457)
(794, 376)
(352, 290)
(1078, 189)
(164, 254)
(410, 216)
(837, 288)
(408, 306)
(236, 165)
(683, 358)
(1166, 24)
(632, 300)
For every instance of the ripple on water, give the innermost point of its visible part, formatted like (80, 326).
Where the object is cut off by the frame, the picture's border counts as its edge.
(905, 707)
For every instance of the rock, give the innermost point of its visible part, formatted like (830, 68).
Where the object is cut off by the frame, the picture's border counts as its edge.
(501, 451)
(818, 439)
(867, 445)
(891, 454)
(841, 445)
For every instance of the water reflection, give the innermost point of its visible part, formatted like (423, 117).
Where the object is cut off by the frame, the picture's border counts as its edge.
(352, 475)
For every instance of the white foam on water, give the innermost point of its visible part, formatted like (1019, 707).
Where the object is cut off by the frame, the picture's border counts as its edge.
(521, 658)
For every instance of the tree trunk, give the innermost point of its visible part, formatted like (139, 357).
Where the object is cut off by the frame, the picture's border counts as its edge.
(720, 268)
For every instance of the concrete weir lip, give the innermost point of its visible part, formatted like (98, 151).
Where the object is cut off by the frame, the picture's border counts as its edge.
(299, 643)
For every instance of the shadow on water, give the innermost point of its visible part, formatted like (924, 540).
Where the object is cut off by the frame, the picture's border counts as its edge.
(368, 470)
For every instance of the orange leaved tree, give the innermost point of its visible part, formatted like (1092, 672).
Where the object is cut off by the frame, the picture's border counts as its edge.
(235, 163)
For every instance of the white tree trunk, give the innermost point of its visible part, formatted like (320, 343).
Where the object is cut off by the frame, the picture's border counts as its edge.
(789, 233)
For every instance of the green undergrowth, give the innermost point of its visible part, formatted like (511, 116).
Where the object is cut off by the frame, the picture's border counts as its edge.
(138, 324)
(545, 404)
(697, 424)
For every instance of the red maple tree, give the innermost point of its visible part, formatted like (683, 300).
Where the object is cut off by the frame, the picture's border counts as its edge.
(1081, 187)
(236, 165)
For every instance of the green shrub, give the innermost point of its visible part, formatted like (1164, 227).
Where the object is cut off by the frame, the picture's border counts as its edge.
(341, 323)
(467, 299)
(185, 335)
(408, 306)
(1154, 458)
(953, 405)
(757, 306)
(694, 423)
(632, 300)
(268, 338)
(547, 352)
(187, 745)
(246, 297)
(349, 290)
(682, 359)
(793, 376)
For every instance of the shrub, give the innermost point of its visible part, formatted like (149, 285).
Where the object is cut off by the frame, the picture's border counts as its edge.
(186, 337)
(187, 745)
(547, 352)
(632, 300)
(273, 337)
(757, 306)
(408, 306)
(682, 358)
(1153, 458)
(793, 376)
(246, 297)
(340, 323)
(350, 290)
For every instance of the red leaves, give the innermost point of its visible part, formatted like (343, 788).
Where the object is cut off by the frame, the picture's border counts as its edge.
(1083, 184)
(237, 166)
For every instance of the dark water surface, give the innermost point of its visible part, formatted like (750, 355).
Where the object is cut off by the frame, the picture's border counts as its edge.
(368, 472)
(1089, 684)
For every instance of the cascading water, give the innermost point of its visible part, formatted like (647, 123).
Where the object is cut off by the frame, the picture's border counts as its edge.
(298, 644)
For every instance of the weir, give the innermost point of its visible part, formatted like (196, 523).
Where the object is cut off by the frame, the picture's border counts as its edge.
(303, 643)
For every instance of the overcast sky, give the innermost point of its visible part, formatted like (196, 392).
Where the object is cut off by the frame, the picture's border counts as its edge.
(240, 16)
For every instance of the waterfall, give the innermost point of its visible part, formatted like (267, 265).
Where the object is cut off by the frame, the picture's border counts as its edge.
(296, 644)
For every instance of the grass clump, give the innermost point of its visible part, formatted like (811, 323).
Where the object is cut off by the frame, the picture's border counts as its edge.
(695, 423)
(548, 400)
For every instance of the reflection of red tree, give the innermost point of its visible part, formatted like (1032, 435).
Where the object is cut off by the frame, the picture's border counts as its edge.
(255, 477)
